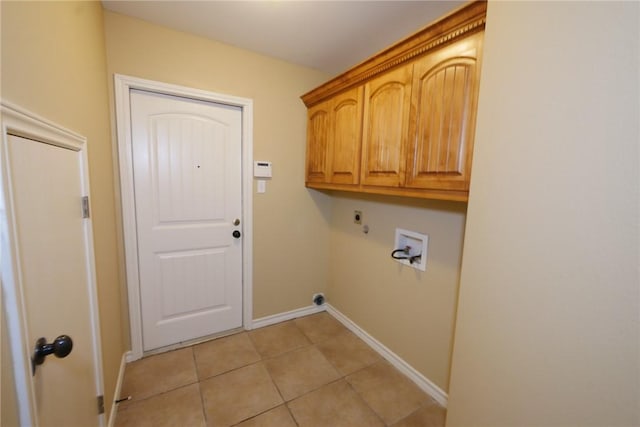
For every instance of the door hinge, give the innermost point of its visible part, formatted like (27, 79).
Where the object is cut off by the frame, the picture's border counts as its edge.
(100, 404)
(85, 207)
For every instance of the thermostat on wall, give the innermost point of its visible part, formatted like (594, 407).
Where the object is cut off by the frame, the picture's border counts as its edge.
(262, 169)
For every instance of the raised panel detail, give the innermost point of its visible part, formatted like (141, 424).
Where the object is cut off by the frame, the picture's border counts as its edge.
(188, 169)
(334, 135)
(386, 118)
(346, 137)
(318, 143)
(444, 100)
(417, 102)
(187, 158)
(385, 124)
(186, 280)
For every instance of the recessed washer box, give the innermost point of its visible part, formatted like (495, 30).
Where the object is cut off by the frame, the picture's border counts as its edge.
(417, 244)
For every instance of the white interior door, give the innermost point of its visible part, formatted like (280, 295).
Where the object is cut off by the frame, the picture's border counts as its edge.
(51, 284)
(187, 167)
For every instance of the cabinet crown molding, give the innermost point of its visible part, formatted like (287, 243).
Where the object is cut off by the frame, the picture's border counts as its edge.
(467, 20)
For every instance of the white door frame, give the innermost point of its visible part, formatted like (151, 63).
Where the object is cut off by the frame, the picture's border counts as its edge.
(123, 85)
(22, 123)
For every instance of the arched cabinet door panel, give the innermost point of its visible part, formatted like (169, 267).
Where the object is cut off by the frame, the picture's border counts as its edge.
(346, 137)
(386, 119)
(403, 121)
(443, 105)
(318, 132)
(334, 135)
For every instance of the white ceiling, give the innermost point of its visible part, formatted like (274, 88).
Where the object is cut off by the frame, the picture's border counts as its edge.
(330, 36)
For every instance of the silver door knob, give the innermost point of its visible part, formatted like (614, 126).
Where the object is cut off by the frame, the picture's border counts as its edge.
(236, 221)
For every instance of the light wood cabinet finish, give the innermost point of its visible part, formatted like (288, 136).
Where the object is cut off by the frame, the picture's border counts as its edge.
(443, 105)
(346, 137)
(318, 131)
(402, 122)
(334, 134)
(387, 104)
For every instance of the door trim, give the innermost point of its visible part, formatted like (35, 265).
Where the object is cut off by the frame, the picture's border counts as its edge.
(122, 86)
(20, 122)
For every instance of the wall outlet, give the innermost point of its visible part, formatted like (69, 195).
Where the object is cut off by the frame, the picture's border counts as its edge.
(357, 217)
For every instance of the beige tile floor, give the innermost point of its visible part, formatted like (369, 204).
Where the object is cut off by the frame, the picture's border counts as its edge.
(310, 371)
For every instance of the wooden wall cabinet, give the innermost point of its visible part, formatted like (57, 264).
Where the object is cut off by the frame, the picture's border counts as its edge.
(334, 134)
(402, 122)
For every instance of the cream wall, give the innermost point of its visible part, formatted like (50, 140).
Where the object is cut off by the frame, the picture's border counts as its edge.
(53, 64)
(291, 224)
(548, 319)
(296, 241)
(409, 311)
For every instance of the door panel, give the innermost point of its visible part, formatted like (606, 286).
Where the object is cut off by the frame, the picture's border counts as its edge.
(187, 179)
(178, 142)
(444, 104)
(334, 134)
(318, 143)
(185, 277)
(347, 137)
(387, 104)
(54, 266)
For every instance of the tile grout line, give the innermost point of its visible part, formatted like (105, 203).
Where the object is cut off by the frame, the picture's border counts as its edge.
(275, 385)
(202, 405)
(315, 345)
(362, 398)
(273, 356)
(309, 345)
(262, 360)
(134, 400)
(285, 402)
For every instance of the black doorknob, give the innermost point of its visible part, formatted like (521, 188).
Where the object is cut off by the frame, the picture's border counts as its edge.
(60, 347)
(236, 234)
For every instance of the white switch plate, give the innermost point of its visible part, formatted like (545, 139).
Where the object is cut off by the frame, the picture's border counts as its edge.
(419, 245)
(262, 186)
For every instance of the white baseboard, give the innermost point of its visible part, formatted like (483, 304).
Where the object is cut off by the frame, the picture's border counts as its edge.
(420, 380)
(288, 315)
(116, 394)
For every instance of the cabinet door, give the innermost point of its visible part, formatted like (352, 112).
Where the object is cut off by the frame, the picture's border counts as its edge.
(318, 132)
(386, 112)
(443, 105)
(346, 137)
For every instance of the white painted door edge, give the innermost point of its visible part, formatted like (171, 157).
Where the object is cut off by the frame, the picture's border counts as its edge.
(18, 121)
(122, 86)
